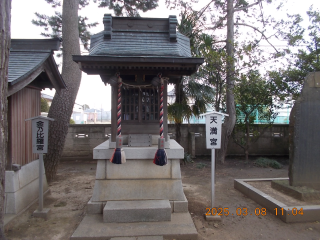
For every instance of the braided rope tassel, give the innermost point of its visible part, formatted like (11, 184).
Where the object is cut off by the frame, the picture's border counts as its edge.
(118, 156)
(161, 109)
(119, 108)
(160, 157)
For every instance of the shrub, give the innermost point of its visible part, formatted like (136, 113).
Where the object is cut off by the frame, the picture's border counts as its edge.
(72, 121)
(44, 107)
(266, 162)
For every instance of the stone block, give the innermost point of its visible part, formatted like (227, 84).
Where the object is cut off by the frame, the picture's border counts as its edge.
(101, 169)
(105, 151)
(180, 206)
(137, 169)
(92, 227)
(150, 238)
(29, 173)
(137, 211)
(116, 190)
(94, 207)
(304, 151)
(176, 172)
(171, 204)
(12, 181)
(19, 200)
(42, 214)
(123, 238)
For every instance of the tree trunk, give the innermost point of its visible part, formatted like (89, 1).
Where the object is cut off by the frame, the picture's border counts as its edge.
(62, 104)
(5, 21)
(178, 132)
(230, 121)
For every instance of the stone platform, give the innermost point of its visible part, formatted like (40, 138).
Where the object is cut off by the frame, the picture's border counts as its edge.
(181, 227)
(137, 198)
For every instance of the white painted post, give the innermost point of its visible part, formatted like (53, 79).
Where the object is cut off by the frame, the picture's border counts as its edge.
(40, 182)
(213, 141)
(40, 126)
(213, 158)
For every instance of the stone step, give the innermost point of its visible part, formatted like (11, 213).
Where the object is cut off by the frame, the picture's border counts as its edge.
(137, 211)
(138, 238)
(181, 227)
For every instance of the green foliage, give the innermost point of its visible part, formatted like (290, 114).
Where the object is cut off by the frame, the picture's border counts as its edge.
(289, 78)
(266, 162)
(192, 98)
(72, 121)
(86, 106)
(187, 158)
(253, 96)
(201, 165)
(44, 106)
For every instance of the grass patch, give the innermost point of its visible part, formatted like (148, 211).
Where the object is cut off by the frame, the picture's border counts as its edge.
(187, 158)
(266, 162)
(201, 165)
(60, 204)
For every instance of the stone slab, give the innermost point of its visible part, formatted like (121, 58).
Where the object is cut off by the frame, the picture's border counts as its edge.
(117, 190)
(137, 169)
(181, 227)
(137, 211)
(94, 207)
(310, 213)
(138, 238)
(42, 214)
(304, 150)
(302, 193)
(103, 151)
(180, 206)
(101, 169)
(17, 201)
(213, 218)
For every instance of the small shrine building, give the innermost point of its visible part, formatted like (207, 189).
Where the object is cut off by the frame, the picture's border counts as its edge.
(138, 57)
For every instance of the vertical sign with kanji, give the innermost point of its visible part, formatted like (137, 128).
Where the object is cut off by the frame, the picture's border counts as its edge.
(40, 127)
(213, 130)
(40, 135)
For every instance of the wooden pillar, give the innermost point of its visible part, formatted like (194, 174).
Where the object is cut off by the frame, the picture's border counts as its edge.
(165, 109)
(114, 98)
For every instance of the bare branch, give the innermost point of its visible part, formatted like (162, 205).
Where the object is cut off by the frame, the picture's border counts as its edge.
(243, 8)
(256, 29)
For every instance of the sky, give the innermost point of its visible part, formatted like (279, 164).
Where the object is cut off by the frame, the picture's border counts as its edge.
(92, 90)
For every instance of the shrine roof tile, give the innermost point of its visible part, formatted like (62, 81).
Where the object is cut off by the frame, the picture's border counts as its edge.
(22, 63)
(140, 44)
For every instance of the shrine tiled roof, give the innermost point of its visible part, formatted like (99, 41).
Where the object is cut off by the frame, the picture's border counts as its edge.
(22, 63)
(31, 63)
(140, 44)
(135, 37)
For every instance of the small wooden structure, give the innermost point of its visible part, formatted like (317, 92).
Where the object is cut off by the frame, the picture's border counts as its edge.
(31, 69)
(139, 49)
(144, 52)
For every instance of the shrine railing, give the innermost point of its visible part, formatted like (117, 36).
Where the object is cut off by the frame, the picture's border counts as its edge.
(82, 138)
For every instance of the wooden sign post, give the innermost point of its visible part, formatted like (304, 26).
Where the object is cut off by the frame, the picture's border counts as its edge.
(213, 142)
(40, 127)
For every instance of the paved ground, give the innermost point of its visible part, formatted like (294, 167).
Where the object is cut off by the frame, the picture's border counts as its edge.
(73, 188)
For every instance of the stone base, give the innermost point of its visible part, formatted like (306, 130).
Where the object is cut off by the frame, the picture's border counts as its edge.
(213, 218)
(181, 227)
(137, 211)
(138, 238)
(300, 193)
(42, 214)
(22, 187)
(176, 206)
(310, 213)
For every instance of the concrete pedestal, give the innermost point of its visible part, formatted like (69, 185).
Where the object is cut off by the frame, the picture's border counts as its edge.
(139, 192)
